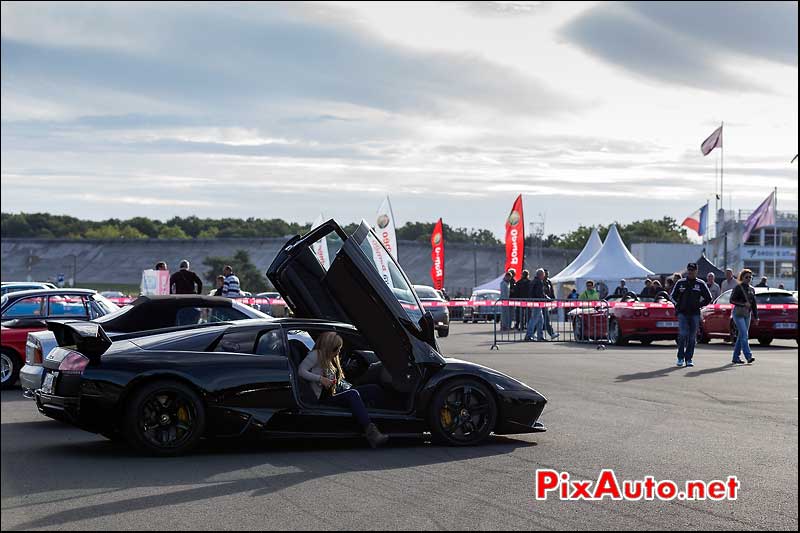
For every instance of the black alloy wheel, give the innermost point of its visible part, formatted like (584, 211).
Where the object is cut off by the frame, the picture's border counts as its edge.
(164, 418)
(462, 413)
(444, 332)
(765, 341)
(646, 342)
(614, 334)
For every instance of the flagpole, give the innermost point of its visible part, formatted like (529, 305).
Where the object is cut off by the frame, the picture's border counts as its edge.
(775, 232)
(722, 171)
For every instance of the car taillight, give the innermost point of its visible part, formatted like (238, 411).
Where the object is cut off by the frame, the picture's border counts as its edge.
(73, 363)
(33, 351)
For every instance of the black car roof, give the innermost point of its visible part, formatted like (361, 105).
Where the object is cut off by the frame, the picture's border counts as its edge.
(183, 300)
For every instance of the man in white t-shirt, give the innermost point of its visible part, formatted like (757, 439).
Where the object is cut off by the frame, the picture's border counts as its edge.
(729, 282)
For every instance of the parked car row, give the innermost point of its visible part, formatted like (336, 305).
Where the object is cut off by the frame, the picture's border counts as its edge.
(621, 324)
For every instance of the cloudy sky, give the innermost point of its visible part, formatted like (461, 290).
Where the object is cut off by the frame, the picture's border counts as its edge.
(593, 111)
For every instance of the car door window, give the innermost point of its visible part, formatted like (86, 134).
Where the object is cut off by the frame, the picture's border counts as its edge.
(68, 306)
(223, 314)
(391, 274)
(32, 306)
(724, 298)
(270, 343)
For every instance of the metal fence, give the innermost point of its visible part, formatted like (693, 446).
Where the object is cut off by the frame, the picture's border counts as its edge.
(533, 320)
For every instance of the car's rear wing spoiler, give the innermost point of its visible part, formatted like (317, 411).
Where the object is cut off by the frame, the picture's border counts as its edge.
(87, 338)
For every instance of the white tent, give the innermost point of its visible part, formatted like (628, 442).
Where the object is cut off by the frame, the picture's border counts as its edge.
(610, 264)
(493, 285)
(592, 246)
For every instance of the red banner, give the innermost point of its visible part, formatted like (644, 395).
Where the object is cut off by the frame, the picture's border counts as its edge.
(515, 239)
(437, 256)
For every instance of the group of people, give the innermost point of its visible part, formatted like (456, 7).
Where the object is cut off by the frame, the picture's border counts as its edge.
(186, 281)
(690, 295)
(535, 321)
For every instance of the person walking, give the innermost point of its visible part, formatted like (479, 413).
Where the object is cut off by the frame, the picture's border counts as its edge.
(230, 287)
(220, 284)
(713, 288)
(689, 295)
(184, 281)
(743, 299)
(536, 321)
(730, 282)
(763, 282)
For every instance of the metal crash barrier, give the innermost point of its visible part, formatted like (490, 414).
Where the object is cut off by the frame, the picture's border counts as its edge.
(530, 320)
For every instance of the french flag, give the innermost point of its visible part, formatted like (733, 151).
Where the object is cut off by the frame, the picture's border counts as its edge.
(697, 221)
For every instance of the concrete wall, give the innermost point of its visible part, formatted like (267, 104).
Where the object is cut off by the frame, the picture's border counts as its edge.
(119, 261)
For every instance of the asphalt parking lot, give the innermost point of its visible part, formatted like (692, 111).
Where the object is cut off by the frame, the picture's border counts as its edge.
(624, 408)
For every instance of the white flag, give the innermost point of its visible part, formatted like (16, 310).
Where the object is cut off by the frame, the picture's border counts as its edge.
(384, 227)
(321, 246)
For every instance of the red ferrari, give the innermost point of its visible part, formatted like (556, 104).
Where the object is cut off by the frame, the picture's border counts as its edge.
(627, 319)
(777, 314)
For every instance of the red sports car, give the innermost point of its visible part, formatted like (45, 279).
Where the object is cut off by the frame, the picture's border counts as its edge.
(626, 319)
(25, 311)
(777, 314)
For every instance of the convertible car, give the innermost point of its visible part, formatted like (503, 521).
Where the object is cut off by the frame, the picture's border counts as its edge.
(777, 314)
(163, 393)
(622, 323)
(145, 314)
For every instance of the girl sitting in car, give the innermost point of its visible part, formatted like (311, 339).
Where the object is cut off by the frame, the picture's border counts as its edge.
(323, 370)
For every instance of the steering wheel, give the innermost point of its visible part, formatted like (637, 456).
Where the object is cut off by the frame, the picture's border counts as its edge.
(630, 297)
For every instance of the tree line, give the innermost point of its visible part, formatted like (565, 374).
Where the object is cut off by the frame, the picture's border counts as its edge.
(45, 225)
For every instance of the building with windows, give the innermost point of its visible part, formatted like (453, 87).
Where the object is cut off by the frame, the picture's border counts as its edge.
(770, 251)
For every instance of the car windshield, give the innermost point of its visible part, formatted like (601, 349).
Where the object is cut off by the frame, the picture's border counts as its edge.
(426, 293)
(104, 305)
(391, 273)
(776, 298)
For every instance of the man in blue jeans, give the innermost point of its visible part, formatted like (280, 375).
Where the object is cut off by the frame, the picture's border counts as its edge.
(689, 295)
(536, 320)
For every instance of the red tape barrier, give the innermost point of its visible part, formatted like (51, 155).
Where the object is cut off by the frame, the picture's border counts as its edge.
(515, 303)
(585, 303)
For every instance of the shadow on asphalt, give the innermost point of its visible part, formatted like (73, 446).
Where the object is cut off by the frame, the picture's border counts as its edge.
(218, 469)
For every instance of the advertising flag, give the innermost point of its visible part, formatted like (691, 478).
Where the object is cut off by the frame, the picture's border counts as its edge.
(697, 221)
(384, 227)
(713, 141)
(437, 256)
(321, 246)
(515, 239)
(764, 215)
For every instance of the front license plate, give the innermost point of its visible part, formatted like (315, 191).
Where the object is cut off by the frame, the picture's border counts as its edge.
(47, 386)
(786, 325)
(666, 324)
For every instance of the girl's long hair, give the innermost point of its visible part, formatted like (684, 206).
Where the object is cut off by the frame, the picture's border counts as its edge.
(327, 346)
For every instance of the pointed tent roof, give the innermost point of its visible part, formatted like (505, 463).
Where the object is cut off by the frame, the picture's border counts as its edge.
(612, 262)
(592, 246)
(493, 284)
(704, 266)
